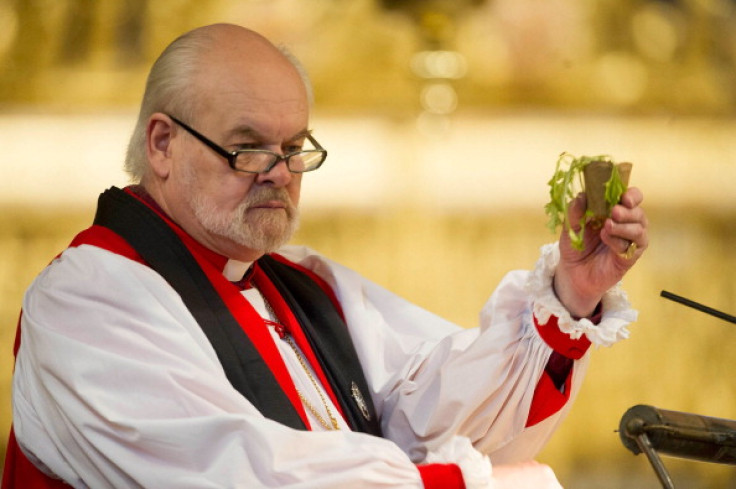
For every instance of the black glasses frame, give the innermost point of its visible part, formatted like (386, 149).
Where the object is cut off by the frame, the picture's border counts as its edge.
(232, 156)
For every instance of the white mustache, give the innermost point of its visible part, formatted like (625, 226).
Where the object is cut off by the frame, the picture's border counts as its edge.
(265, 195)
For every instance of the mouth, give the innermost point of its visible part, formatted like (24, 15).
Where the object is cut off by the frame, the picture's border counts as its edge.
(270, 205)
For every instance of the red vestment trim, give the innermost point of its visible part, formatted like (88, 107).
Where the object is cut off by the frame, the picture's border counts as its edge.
(287, 318)
(548, 398)
(561, 342)
(20, 473)
(441, 476)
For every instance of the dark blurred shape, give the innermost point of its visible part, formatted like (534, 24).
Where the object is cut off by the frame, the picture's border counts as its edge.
(130, 32)
(435, 18)
(79, 23)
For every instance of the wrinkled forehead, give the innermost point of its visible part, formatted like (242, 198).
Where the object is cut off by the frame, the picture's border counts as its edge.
(249, 62)
(264, 87)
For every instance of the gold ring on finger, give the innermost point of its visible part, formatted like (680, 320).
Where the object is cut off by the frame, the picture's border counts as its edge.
(628, 254)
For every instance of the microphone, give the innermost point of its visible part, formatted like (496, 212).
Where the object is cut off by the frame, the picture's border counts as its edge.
(698, 306)
(679, 434)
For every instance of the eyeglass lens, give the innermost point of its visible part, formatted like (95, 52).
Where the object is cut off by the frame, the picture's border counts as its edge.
(259, 161)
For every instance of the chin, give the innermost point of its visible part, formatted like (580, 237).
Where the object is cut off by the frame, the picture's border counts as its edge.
(267, 237)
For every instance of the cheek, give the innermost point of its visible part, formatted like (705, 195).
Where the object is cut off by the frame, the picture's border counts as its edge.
(228, 189)
(294, 189)
(229, 196)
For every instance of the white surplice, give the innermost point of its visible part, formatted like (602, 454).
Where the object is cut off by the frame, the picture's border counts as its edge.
(116, 385)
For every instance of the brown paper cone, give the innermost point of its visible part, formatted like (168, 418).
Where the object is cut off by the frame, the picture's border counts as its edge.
(624, 169)
(595, 175)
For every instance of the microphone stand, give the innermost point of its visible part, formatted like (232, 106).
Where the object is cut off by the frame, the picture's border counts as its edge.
(645, 445)
(649, 429)
(646, 429)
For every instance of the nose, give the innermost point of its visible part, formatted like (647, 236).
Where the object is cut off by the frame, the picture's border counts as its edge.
(278, 176)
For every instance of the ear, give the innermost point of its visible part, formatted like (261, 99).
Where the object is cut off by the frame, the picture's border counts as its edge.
(159, 134)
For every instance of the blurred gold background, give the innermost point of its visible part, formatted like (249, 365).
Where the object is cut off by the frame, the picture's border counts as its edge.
(443, 120)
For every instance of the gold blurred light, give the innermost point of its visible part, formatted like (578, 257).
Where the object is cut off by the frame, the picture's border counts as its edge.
(8, 28)
(439, 98)
(439, 64)
(655, 32)
(621, 78)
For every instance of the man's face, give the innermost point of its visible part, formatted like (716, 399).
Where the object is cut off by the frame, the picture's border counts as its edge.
(240, 215)
(255, 223)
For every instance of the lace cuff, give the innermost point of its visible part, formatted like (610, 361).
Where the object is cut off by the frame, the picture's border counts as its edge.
(617, 312)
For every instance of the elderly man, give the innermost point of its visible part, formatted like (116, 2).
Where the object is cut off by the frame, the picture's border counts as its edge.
(178, 343)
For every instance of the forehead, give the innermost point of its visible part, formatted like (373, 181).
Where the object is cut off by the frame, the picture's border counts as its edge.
(266, 95)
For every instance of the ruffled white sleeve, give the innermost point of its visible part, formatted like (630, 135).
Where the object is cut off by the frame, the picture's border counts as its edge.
(432, 380)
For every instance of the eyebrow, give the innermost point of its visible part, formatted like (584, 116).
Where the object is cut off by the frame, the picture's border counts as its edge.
(249, 132)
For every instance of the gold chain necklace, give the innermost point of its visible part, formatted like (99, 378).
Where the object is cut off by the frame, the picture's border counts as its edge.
(283, 333)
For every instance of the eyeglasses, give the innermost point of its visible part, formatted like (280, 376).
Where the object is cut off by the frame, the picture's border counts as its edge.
(263, 160)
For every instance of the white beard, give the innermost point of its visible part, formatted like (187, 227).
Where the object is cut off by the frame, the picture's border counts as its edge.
(256, 229)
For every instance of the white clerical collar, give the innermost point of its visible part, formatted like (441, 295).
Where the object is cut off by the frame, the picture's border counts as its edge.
(235, 270)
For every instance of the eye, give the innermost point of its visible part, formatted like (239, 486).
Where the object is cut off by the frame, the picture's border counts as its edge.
(293, 148)
(247, 146)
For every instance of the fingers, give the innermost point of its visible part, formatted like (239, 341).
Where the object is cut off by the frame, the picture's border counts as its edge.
(632, 198)
(626, 232)
(628, 241)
